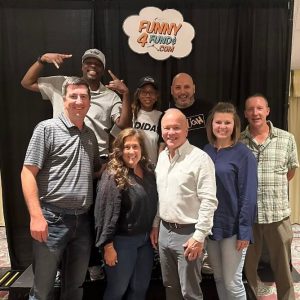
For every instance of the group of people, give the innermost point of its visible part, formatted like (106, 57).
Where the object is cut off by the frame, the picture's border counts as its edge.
(181, 182)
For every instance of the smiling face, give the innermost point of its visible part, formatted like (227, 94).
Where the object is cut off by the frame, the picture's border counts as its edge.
(147, 96)
(132, 152)
(183, 90)
(256, 111)
(76, 102)
(222, 127)
(174, 129)
(92, 69)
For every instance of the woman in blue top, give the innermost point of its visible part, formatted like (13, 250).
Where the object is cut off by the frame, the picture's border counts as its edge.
(236, 178)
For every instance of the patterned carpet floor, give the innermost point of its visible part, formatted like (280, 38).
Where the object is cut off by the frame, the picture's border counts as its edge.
(267, 290)
(4, 258)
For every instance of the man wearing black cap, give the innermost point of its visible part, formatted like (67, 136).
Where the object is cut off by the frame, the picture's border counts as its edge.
(106, 108)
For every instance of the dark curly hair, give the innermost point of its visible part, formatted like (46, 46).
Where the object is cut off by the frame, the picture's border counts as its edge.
(116, 165)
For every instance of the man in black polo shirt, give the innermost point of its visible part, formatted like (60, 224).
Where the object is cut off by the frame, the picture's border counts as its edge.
(57, 184)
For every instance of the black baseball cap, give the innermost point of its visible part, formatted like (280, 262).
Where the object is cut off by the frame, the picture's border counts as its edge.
(147, 80)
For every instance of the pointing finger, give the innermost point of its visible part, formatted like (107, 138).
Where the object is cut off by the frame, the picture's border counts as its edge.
(56, 64)
(66, 56)
(112, 75)
(59, 59)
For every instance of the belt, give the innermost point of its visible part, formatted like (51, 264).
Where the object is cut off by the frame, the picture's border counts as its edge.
(65, 211)
(176, 225)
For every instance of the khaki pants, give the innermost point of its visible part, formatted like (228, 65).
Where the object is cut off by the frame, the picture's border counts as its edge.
(277, 237)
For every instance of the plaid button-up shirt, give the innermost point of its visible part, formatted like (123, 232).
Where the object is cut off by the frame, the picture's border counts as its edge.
(275, 157)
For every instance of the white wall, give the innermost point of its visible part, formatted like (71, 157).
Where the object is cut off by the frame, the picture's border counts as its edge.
(295, 60)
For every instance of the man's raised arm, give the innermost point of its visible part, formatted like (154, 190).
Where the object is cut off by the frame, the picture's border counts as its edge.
(30, 79)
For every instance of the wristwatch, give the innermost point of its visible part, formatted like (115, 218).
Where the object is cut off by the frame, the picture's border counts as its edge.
(40, 60)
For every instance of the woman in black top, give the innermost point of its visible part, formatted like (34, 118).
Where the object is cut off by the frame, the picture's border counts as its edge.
(126, 205)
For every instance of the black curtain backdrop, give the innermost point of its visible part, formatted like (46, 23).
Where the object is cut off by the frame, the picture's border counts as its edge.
(240, 48)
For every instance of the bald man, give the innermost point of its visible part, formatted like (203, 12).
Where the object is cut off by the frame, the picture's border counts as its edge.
(187, 201)
(196, 111)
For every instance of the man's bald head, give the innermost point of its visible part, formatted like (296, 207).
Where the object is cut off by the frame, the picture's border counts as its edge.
(182, 76)
(174, 129)
(175, 113)
(183, 90)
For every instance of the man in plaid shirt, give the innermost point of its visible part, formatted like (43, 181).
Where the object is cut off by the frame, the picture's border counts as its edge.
(276, 153)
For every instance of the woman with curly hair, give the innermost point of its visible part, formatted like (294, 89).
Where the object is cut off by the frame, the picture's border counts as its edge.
(125, 207)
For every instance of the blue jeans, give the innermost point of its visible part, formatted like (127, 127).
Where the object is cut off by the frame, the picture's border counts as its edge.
(69, 243)
(181, 277)
(227, 264)
(132, 273)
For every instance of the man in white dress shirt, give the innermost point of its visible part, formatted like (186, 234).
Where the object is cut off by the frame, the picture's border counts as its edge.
(187, 201)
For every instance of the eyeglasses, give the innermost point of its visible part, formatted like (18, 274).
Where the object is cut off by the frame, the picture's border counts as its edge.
(145, 93)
